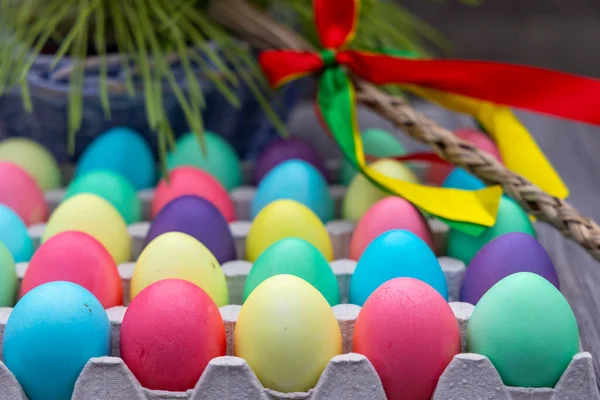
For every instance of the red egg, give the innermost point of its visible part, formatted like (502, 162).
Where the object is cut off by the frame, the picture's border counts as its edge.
(193, 181)
(410, 335)
(20, 192)
(436, 173)
(170, 332)
(386, 215)
(79, 258)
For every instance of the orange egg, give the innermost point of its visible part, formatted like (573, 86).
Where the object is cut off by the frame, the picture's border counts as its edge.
(386, 215)
(193, 181)
(410, 335)
(20, 192)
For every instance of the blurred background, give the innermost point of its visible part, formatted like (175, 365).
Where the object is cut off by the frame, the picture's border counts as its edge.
(561, 34)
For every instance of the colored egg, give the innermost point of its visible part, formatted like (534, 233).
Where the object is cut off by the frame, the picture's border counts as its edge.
(436, 173)
(198, 218)
(8, 278)
(34, 158)
(385, 215)
(410, 335)
(287, 149)
(461, 179)
(112, 187)
(362, 194)
(501, 257)
(527, 329)
(175, 255)
(295, 180)
(296, 257)
(121, 150)
(219, 159)
(510, 218)
(376, 142)
(287, 218)
(170, 332)
(395, 254)
(193, 181)
(95, 216)
(19, 191)
(50, 335)
(78, 258)
(287, 333)
(14, 235)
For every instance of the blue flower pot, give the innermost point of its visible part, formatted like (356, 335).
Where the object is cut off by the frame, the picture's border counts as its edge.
(246, 128)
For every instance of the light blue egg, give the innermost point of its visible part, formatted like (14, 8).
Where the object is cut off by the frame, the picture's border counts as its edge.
(295, 180)
(124, 151)
(14, 235)
(395, 254)
(50, 335)
(461, 179)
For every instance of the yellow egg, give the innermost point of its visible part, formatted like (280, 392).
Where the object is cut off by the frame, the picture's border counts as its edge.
(95, 216)
(362, 194)
(33, 158)
(287, 218)
(287, 333)
(175, 255)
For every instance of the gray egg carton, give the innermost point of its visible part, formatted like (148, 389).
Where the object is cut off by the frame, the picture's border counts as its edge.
(349, 376)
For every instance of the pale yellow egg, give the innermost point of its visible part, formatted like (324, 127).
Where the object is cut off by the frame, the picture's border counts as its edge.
(288, 333)
(175, 255)
(95, 216)
(33, 158)
(362, 194)
(287, 218)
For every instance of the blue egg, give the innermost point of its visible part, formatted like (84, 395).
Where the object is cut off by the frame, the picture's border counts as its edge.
(50, 335)
(295, 180)
(461, 179)
(123, 151)
(395, 254)
(14, 235)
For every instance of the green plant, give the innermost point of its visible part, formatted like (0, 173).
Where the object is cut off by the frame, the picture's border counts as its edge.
(147, 36)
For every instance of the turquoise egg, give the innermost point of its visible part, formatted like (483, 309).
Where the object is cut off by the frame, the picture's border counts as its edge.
(14, 235)
(50, 335)
(121, 150)
(461, 179)
(295, 180)
(395, 254)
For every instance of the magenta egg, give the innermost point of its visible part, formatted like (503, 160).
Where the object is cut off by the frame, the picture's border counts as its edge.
(20, 192)
(386, 215)
(505, 255)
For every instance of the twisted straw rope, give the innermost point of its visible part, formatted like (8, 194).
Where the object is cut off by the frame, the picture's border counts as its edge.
(261, 31)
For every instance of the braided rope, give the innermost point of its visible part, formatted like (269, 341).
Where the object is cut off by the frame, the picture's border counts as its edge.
(263, 32)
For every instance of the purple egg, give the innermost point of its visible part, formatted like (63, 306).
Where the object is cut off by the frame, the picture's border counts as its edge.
(282, 150)
(503, 256)
(196, 217)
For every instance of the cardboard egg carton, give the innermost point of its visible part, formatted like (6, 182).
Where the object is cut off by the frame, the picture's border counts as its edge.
(349, 376)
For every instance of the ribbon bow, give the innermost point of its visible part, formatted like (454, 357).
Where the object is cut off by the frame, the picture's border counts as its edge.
(482, 89)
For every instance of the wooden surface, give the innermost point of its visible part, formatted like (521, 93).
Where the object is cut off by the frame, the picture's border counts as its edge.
(574, 151)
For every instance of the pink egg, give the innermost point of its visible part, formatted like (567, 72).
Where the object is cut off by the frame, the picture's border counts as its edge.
(20, 192)
(193, 181)
(410, 335)
(386, 215)
(79, 258)
(436, 173)
(170, 332)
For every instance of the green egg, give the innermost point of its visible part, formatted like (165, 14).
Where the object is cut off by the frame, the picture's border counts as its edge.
(362, 194)
(376, 142)
(221, 160)
(527, 329)
(8, 278)
(510, 218)
(293, 256)
(112, 187)
(33, 158)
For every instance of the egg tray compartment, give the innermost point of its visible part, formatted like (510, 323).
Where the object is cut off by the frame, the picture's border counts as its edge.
(349, 376)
